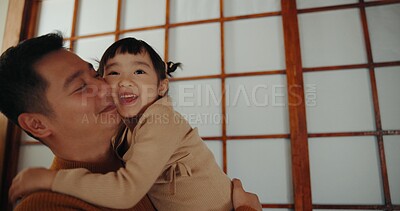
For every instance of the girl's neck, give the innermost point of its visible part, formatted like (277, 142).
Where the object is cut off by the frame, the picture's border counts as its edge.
(131, 122)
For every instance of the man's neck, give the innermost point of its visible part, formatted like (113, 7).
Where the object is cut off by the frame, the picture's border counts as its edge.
(102, 164)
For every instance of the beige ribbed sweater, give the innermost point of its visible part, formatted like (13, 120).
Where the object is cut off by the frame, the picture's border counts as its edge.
(165, 158)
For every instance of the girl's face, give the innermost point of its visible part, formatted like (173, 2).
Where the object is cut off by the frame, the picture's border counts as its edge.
(134, 82)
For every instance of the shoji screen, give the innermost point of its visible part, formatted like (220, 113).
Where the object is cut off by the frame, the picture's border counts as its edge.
(350, 53)
(234, 87)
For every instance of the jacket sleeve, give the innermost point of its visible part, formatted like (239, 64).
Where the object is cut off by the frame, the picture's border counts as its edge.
(245, 208)
(157, 138)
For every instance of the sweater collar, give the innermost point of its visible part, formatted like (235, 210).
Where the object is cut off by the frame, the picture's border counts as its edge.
(59, 163)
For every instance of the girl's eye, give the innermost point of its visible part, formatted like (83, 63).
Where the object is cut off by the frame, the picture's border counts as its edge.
(137, 72)
(112, 73)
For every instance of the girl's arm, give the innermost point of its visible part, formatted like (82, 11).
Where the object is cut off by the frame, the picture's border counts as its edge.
(156, 140)
(30, 180)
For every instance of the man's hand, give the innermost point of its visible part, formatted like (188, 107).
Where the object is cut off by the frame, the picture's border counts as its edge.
(242, 198)
(30, 180)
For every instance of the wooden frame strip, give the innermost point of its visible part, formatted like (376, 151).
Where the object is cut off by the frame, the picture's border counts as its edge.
(348, 6)
(378, 123)
(14, 28)
(74, 23)
(297, 110)
(118, 22)
(10, 163)
(223, 100)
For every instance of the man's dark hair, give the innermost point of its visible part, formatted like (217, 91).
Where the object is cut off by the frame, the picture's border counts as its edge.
(22, 89)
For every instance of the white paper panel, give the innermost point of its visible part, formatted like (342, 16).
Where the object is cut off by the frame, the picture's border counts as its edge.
(193, 10)
(26, 137)
(240, 7)
(332, 38)
(155, 38)
(392, 149)
(343, 101)
(345, 170)
(95, 17)
(66, 44)
(257, 105)
(55, 15)
(34, 156)
(91, 49)
(197, 47)
(277, 209)
(384, 29)
(3, 17)
(264, 166)
(216, 148)
(301, 4)
(254, 45)
(142, 13)
(340, 210)
(388, 83)
(200, 103)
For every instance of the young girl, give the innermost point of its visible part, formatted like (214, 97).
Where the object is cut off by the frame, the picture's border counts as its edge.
(163, 156)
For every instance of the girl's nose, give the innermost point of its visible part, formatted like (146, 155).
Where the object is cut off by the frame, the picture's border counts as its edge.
(125, 83)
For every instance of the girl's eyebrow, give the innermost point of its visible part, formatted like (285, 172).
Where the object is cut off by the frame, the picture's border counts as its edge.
(140, 63)
(111, 65)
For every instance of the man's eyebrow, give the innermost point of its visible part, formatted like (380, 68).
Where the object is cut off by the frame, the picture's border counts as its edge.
(72, 77)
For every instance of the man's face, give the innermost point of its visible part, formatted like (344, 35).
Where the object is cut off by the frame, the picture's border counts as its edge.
(80, 99)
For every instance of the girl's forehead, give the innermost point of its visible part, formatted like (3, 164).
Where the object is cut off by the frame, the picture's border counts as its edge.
(129, 56)
(129, 60)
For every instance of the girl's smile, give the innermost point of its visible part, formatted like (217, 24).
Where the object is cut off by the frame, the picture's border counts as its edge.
(126, 98)
(134, 82)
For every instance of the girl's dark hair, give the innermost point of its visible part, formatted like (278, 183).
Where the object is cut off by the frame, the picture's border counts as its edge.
(133, 46)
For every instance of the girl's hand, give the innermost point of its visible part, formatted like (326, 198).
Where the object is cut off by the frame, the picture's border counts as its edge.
(31, 180)
(242, 198)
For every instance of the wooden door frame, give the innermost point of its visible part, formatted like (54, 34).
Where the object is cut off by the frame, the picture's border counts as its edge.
(19, 25)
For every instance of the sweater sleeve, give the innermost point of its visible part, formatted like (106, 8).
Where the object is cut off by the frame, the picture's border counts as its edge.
(156, 140)
(51, 201)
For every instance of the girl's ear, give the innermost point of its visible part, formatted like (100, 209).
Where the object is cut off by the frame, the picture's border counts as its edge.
(163, 87)
(35, 124)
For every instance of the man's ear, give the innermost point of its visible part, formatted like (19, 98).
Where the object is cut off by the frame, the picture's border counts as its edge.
(35, 124)
(163, 87)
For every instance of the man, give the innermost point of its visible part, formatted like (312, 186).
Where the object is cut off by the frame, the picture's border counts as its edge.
(59, 99)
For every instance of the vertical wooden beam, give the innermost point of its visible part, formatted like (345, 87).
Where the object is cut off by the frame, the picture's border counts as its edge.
(14, 22)
(74, 23)
(11, 141)
(297, 110)
(3, 134)
(29, 21)
(118, 23)
(223, 100)
(10, 163)
(166, 37)
(378, 123)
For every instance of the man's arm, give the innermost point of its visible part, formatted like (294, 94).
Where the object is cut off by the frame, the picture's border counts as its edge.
(242, 200)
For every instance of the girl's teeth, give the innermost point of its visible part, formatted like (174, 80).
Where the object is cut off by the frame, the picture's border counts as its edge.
(129, 96)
